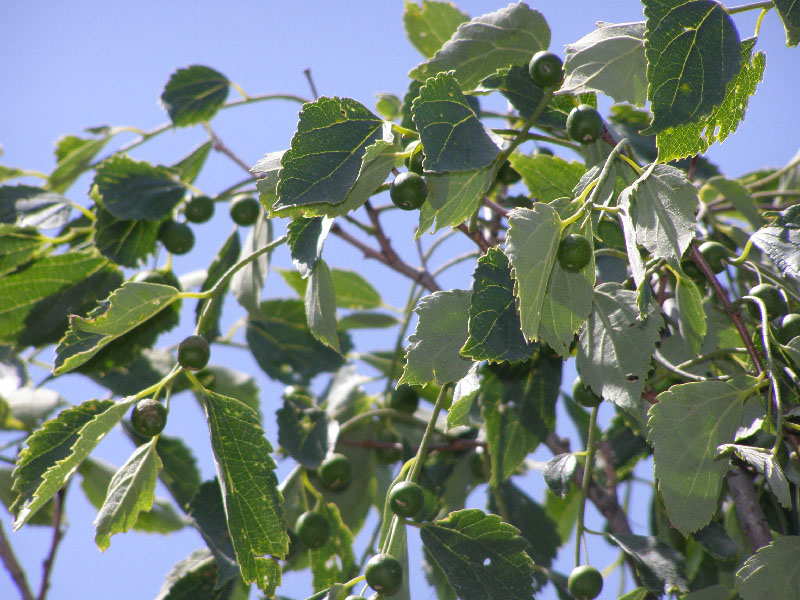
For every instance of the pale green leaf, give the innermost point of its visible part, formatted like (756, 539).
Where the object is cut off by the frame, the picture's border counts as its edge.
(129, 306)
(780, 240)
(247, 282)
(429, 26)
(306, 239)
(614, 349)
(609, 60)
(509, 36)
(464, 394)
(226, 257)
(74, 155)
(18, 245)
(764, 462)
(531, 246)
(451, 133)
(365, 320)
(693, 52)
(352, 290)
(253, 503)
(558, 473)
(433, 350)
(320, 303)
(28, 206)
(740, 197)
(452, 198)
(772, 572)
(194, 94)
(547, 177)
(696, 137)
(685, 428)
(691, 317)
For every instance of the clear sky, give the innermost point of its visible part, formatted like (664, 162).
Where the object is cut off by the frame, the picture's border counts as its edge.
(69, 65)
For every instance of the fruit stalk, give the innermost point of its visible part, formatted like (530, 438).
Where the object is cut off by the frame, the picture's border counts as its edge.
(587, 481)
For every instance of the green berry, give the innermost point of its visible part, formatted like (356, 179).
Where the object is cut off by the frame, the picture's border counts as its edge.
(574, 252)
(406, 499)
(789, 329)
(149, 417)
(584, 124)
(714, 253)
(244, 210)
(692, 270)
(408, 191)
(414, 163)
(585, 583)
(384, 574)
(507, 175)
(546, 69)
(176, 237)
(335, 472)
(193, 353)
(391, 454)
(405, 399)
(199, 209)
(313, 529)
(584, 395)
(772, 298)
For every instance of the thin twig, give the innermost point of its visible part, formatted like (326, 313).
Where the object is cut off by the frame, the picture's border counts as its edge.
(476, 237)
(307, 73)
(58, 533)
(219, 146)
(496, 208)
(13, 566)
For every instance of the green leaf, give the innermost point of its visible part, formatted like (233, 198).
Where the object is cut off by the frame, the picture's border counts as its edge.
(789, 11)
(693, 52)
(136, 190)
(74, 155)
(18, 246)
(716, 541)
(283, 346)
(195, 578)
(229, 382)
(208, 512)
(8, 173)
(351, 289)
(429, 26)
(253, 504)
(452, 198)
(194, 95)
(547, 177)
(320, 303)
(641, 593)
(325, 157)
(663, 211)
(179, 474)
(303, 433)
(50, 282)
(609, 60)
(451, 133)
(189, 167)
(558, 473)
(126, 242)
(772, 571)
(691, 317)
(28, 206)
(227, 256)
(739, 196)
(461, 545)
(365, 320)
(464, 394)
(533, 522)
(614, 349)
(507, 440)
(494, 329)
(433, 350)
(780, 240)
(306, 239)
(126, 308)
(695, 137)
(54, 452)
(764, 462)
(131, 491)
(659, 566)
(531, 245)
(327, 572)
(247, 282)
(478, 48)
(685, 428)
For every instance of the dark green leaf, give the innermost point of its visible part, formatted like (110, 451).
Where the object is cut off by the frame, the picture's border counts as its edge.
(320, 303)
(509, 36)
(253, 504)
(494, 329)
(208, 511)
(188, 168)
(516, 85)
(18, 246)
(283, 346)
(660, 567)
(126, 242)
(136, 190)
(148, 369)
(429, 26)
(195, 578)
(453, 136)
(693, 52)
(772, 571)
(227, 256)
(558, 473)
(366, 320)
(482, 557)
(789, 10)
(306, 238)
(28, 206)
(180, 474)
(453, 198)
(780, 240)
(303, 433)
(194, 94)
(716, 541)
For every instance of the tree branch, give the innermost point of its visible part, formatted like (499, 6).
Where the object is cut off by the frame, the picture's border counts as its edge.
(13, 566)
(475, 237)
(752, 519)
(57, 535)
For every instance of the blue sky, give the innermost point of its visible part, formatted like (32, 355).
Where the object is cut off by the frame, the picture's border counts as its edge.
(67, 66)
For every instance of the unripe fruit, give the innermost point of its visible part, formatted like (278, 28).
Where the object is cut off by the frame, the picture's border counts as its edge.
(313, 529)
(335, 472)
(773, 300)
(585, 583)
(405, 399)
(244, 210)
(176, 237)
(384, 574)
(507, 175)
(714, 253)
(574, 252)
(584, 124)
(149, 417)
(789, 329)
(546, 69)
(414, 164)
(408, 191)
(584, 395)
(406, 499)
(193, 353)
(199, 209)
